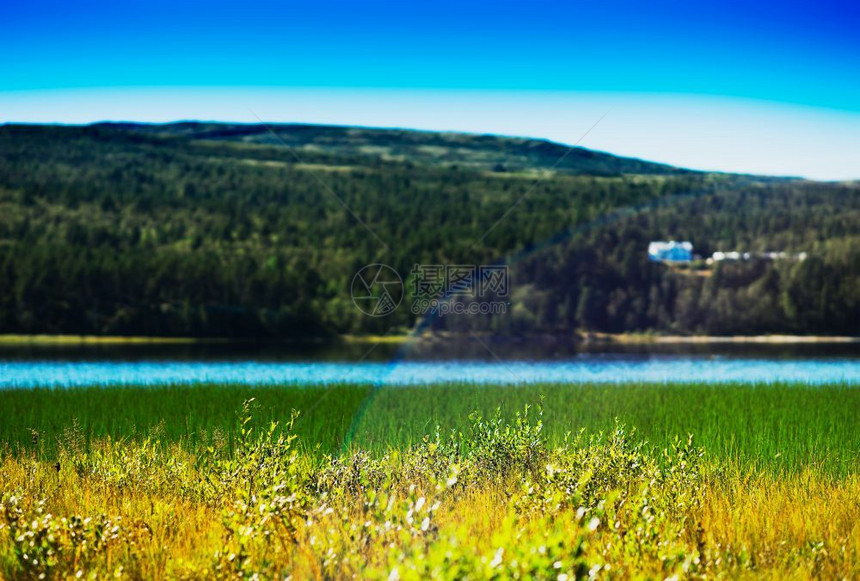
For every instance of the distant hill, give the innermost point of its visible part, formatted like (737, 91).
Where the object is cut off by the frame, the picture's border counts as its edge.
(468, 151)
(220, 230)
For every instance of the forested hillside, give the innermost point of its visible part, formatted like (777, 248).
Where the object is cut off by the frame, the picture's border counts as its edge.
(224, 231)
(599, 279)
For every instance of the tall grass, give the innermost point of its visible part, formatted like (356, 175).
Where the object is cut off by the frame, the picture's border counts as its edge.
(771, 427)
(493, 500)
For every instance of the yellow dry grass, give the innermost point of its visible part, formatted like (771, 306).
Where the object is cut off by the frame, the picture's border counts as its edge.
(603, 510)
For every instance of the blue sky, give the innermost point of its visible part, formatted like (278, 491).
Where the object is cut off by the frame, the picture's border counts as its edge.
(711, 83)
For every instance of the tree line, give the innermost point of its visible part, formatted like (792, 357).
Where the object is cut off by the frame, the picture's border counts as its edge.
(105, 230)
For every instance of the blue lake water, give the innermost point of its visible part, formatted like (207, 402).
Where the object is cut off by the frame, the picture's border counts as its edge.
(587, 367)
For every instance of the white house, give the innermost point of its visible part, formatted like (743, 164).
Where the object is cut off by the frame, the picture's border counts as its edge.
(670, 251)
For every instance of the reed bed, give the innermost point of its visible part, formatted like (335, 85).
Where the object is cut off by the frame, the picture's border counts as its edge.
(782, 427)
(449, 481)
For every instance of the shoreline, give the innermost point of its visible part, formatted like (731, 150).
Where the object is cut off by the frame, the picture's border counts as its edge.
(96, 340)
(705, 339)
(588, 338)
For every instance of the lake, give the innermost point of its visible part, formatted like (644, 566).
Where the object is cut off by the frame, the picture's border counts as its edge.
(476, 361)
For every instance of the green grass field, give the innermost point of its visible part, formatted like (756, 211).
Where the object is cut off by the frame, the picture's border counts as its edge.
(528, 482)
(783, 427)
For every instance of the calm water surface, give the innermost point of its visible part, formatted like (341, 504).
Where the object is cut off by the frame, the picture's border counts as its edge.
(28, 367)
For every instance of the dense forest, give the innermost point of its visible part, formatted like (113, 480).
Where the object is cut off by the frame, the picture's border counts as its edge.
(211, 230)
